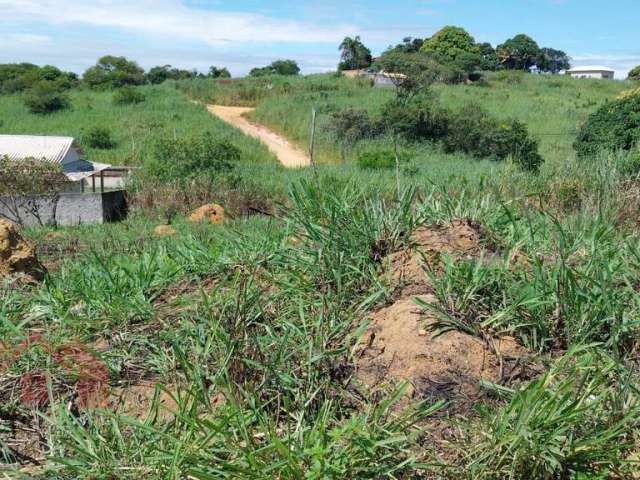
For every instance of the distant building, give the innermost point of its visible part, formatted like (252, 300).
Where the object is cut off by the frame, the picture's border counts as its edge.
(66, 152)
(384, 79)
(73, 206)
(592, 72)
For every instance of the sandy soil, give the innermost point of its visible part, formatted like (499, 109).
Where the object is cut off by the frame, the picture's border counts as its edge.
(289, 155)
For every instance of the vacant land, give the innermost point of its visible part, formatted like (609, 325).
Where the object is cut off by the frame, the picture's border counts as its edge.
(453, 317)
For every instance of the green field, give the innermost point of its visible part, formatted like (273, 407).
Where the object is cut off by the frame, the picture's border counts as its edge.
(237, 350)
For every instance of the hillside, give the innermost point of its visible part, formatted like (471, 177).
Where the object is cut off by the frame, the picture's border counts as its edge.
(458, 317)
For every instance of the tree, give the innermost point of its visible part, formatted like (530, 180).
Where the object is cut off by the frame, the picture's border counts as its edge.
(419, 70)
(114, 72)
(23, 76)
(354, 54)
(279, 67)
(489, 57)
(451, 43)
(634, 74)
(30, 187)
(46, 97)
(614, 126)
(518, 53)
(552, 61)
(215, 72)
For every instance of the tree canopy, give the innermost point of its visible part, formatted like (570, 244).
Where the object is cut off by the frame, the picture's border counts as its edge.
(162, 73)
(552, 60)
(634, 74)
(518, 53)
(114, 72)
(451, 43)
(17, 77)
(354, 54)
(216, 72)
(279, 67)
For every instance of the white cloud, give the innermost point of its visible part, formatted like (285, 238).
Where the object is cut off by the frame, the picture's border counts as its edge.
(171, 19)
(25, 39)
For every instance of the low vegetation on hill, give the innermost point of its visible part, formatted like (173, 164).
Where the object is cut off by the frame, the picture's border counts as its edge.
(450, 292)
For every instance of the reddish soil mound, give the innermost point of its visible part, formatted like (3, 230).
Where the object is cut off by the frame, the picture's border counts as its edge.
(212, 213)
(17, 256)
(398, 347)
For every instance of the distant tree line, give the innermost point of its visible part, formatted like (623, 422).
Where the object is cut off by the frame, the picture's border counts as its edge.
(453, 55)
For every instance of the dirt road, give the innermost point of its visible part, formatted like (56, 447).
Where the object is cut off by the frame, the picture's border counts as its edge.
(289, 155)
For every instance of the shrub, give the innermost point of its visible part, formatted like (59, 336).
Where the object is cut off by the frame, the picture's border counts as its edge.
(45, 98)
(352, 125)
(510, 77)
(99, 137)
(634, 74)
(615, 126)
(474, 132)
(377, 159)
(128, 96)
(420, 119)
(201, 156)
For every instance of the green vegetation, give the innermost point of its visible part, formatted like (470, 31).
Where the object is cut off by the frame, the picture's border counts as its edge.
(354, 55)
(44, 97)
(128, 96)
(634, 74)
(615, 125)
(279, 67)
(99, 138)
(237, 350)
(113, 72)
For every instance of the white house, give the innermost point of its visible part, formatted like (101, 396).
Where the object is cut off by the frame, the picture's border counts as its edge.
(66, 152)
(592, 72)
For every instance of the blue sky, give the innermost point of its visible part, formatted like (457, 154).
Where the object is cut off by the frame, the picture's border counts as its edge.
(241, 34)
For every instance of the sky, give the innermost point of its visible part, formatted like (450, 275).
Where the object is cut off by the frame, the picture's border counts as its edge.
(242, 34)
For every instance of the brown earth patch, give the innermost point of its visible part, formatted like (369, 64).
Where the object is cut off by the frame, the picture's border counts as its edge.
(164, 231)
(212, 213)
(18, 258)
(399, 347)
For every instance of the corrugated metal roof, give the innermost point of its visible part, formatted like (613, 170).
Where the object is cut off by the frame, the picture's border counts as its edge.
(52, 149)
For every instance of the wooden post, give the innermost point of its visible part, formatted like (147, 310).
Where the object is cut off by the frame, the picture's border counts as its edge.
(93, 183)
(313, 140)
(102, 181)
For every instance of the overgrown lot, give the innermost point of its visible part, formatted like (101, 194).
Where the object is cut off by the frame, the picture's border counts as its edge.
(457, 318)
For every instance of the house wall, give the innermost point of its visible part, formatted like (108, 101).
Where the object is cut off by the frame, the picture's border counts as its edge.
(75, 209)
(606, 75)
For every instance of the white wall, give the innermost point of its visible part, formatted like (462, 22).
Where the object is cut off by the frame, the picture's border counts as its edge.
(592, 75)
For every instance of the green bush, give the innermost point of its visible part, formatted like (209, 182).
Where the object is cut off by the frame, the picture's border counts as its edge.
(614, 126)
(99, 137)
(378, 159)
(634, 74)
(128, 96)
(45, 98)
(474, 132)
(201, 156)
(419, 119)
(352, 125)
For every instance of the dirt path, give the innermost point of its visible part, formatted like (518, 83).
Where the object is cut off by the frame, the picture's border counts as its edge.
(289, 155)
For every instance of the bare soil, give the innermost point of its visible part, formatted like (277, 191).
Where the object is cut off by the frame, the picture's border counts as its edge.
(17, 256)
(399, 346)
(288, 154)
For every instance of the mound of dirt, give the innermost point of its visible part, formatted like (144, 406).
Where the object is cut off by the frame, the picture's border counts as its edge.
(17, 256)
(164, 231)
(462, 239)
(398, 346)
(212, 213)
